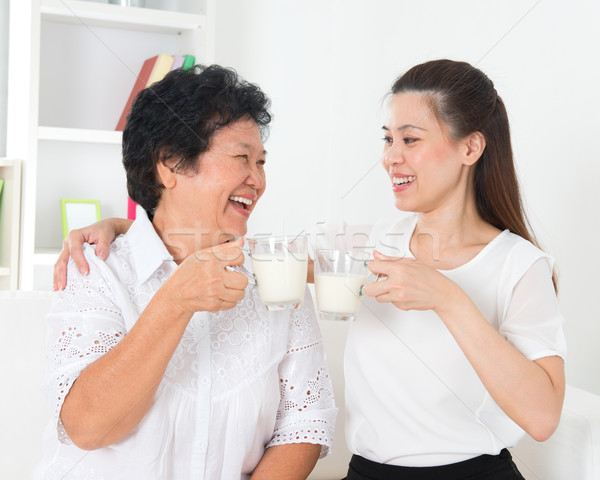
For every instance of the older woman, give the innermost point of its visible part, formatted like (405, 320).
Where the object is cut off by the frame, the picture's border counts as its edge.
(163, 363)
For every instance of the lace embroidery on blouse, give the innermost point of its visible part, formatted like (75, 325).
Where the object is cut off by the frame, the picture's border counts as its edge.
(75, 336)
(306, 411)
(87, 323)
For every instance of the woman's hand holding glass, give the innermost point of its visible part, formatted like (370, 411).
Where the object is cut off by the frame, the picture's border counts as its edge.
(409, 284)
(204, 283)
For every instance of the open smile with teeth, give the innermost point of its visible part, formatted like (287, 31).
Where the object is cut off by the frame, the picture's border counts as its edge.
(244, 202)
(403, 180)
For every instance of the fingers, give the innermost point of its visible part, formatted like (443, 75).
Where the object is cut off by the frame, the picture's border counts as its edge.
(59, 278)
(75, 241)
(206, 282)
(376, 289)
(383, 265)
(230, 253)
(73, 247)
(380, 256)
(102, 249)
(235, 280)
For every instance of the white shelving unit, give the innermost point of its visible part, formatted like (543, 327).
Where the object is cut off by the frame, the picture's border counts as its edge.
(72, 65)
(10, 203)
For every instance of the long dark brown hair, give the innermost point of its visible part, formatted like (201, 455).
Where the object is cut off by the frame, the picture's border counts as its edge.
(464, 99)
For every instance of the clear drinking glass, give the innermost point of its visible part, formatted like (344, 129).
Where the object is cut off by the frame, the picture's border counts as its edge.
(280, 266)
(339, 280)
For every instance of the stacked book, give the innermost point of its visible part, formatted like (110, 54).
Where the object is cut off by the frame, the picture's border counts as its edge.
(153, 70)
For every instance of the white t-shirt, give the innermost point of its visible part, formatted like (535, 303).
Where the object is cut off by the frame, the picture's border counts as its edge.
(239, 381)
(412, 397)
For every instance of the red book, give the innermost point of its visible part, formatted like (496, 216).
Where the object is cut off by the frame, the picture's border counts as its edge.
(131, 206)
(140, 84)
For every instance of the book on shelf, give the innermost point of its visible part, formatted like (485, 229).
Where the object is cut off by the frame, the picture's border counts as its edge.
(131, 207)
(140, 83)
(177, 62)
(153, 70)
(188, 61)
(161, 68)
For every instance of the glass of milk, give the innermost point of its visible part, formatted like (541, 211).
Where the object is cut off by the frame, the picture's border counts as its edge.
(280, 266)
(339, 279)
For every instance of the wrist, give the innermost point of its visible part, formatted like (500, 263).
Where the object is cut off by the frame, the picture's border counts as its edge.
(171, 303)
(122, 225)
(453, 300)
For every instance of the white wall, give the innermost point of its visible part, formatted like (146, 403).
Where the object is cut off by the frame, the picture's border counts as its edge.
(3, 72)
(327, 65)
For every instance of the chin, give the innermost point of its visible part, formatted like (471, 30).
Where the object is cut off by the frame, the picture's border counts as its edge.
(236, 230)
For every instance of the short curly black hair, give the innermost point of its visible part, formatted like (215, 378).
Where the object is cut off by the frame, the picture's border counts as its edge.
(175, 119)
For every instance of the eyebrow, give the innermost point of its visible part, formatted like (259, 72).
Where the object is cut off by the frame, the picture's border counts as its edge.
(404, 127)
(249, 147)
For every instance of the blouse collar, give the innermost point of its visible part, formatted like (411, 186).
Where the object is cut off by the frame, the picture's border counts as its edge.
(148, 250)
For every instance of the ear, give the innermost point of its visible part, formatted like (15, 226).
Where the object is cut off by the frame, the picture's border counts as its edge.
(475, 145)
(166, 174)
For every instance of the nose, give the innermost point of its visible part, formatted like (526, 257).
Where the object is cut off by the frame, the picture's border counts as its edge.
(392, 155)
(256, 178)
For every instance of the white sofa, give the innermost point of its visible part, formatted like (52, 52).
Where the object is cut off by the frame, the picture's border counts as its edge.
(572, 453)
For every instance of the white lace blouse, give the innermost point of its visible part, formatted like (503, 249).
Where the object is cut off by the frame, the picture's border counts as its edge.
(240, 380)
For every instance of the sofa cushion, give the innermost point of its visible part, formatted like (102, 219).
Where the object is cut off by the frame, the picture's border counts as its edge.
(23, 360)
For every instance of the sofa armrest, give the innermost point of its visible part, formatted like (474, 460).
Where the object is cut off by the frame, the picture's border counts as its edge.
(574, 449)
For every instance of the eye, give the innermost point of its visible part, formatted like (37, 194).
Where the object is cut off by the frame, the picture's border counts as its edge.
(242, 157)
(387, 140)
(409, 140)
(261, 162)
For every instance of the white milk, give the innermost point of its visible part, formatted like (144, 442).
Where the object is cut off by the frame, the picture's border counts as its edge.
(338, 293)
(281, 279)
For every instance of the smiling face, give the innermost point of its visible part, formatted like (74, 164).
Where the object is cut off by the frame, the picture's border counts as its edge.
(428, 170)
(216, 201)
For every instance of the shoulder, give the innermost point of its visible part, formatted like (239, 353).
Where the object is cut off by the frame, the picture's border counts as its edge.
(518, 256)
(516, 250)
(84, 292)
(103, 271)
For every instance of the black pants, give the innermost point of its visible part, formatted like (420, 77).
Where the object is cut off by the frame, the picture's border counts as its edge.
(484, 467)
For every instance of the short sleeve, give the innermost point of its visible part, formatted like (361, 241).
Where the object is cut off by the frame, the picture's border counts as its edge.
(83, 325)
(533, 323)
(307, 411)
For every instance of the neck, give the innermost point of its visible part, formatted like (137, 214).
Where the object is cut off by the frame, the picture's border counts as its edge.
(450, 235)
(180, 238)
(449, 223)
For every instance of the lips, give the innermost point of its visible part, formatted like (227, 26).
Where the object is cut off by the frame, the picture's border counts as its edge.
(243, 202)
(403, 180)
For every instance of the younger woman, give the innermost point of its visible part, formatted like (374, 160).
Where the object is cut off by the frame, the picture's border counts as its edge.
(459, 350)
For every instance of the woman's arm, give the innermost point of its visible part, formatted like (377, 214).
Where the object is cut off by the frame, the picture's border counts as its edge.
(529, 392)
(101, 234)
(112, 394)
(293, 461)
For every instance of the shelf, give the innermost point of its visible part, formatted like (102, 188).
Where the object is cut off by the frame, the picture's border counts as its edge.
(61, 113)
(100, 14)
(80, 135)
